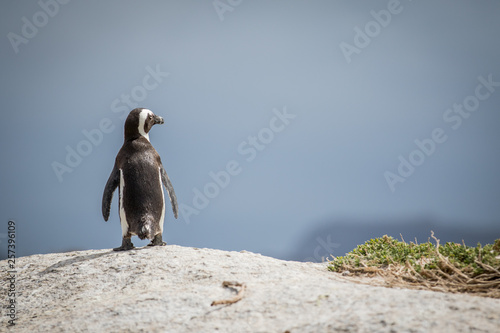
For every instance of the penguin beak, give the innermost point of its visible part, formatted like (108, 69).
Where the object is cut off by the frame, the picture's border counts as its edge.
(158, 120)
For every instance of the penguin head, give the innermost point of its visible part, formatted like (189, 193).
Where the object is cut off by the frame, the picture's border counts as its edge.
(139, 123)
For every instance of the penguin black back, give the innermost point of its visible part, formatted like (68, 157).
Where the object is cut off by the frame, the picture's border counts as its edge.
(139, 174)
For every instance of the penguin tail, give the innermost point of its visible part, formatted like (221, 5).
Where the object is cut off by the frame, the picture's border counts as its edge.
(146, 230)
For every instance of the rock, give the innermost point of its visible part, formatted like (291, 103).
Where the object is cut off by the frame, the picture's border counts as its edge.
(170, 289)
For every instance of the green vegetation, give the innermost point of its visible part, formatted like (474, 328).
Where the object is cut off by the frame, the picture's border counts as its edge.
(450, 267)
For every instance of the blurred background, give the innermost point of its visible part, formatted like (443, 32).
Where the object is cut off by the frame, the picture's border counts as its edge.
(295, 129)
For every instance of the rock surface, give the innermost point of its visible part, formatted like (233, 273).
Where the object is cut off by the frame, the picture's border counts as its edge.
(170, 289)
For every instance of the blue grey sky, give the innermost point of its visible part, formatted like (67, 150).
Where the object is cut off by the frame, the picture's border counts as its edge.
(312, 108)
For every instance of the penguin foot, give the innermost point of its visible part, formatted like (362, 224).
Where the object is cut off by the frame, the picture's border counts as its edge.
(157, 241)
(126, 245)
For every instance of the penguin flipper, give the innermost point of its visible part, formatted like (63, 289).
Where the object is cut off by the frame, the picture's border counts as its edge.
(170, 190)
(107, 196)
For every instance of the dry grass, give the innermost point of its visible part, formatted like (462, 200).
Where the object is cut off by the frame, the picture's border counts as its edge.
(452, 267)
(238, 297)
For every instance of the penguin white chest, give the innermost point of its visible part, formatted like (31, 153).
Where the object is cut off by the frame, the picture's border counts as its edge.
(123, 217)
(162, 217)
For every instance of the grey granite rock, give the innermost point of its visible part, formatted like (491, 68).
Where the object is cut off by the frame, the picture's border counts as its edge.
(170, 289)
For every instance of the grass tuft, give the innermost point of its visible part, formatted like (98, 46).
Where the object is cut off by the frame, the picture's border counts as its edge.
(450, 267)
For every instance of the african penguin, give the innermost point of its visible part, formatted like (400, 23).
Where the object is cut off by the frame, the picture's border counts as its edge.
(139, 174)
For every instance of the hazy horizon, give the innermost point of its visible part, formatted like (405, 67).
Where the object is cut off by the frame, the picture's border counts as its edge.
(279, 116)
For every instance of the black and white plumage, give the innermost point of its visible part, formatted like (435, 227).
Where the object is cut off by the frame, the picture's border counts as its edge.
(139, 175)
